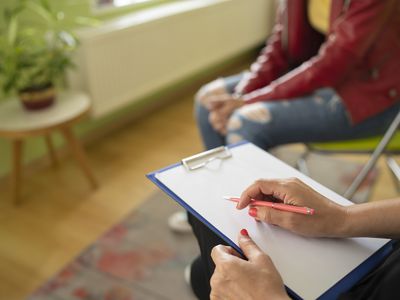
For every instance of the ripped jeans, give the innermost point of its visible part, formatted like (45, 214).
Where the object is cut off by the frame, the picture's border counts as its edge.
(318, 117)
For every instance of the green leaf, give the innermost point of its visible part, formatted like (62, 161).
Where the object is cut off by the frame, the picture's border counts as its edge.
(12, 31)
(31, 55)
(41, 11)
(46, 5)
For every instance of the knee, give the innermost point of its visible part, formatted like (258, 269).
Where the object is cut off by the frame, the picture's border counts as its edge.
(201, 113)
(251, 123)
(198, 97)
(235, 129)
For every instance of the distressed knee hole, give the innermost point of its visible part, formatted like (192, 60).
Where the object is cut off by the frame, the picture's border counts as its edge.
(234, 138)
(234, 123)
(333, 103)
(318, 100)
(257, 112)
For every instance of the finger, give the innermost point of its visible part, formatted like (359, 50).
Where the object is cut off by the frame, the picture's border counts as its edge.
(229, 250)
(215, 296)
(215, 87)
(212, 117)
(227, 109)
(277, 188)
(269, 215)
(216, 117)
(206, 96)
(222, 253)
(216, 102)
(249, 248)
(212, 105)
(218, 124)
(252, 192)
(232, 105)
(253, 212)
(215, 122)
(219, 127)
(223, 131)
(287, 220)
(234, 252)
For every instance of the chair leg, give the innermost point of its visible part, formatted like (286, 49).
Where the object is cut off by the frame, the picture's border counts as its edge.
(395, 171)
(394, 167)
(373, 159)
(79, 154)
(302, 162)
(17, 170)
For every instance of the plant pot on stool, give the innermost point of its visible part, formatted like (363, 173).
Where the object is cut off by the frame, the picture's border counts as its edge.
(37, 97)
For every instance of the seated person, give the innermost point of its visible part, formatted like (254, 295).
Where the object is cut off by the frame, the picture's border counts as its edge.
(257, 278)
(329, 72)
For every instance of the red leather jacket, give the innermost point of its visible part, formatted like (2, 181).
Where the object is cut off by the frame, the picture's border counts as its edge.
(359, 57)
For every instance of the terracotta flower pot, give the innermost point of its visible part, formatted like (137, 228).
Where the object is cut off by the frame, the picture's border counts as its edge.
(38, 97)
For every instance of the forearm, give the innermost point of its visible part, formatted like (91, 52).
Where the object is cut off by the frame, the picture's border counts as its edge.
(376, 219)
(345, 49)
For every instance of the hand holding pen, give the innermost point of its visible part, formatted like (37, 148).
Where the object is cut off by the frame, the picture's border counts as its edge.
(298, 208)
(276, 205)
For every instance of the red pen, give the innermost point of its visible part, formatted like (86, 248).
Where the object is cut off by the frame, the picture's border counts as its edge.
(275, 205)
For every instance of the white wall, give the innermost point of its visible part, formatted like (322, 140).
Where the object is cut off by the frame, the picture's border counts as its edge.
(126, 59)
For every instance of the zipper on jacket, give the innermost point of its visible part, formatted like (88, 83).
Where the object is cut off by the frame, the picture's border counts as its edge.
(346, 5)
(285, 31)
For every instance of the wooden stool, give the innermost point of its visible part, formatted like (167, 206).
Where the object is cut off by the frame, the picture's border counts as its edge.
(16, 124)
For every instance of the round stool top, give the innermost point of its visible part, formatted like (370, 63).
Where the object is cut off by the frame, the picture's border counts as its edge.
(14, 119)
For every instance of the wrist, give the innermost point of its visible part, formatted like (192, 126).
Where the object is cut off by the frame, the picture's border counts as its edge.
(239, 102)
(248, 99)
(237, 96)
(345, 224)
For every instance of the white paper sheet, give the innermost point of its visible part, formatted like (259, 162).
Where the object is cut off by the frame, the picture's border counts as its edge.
(308, 266)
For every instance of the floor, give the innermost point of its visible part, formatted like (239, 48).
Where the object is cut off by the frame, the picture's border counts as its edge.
(60, 215)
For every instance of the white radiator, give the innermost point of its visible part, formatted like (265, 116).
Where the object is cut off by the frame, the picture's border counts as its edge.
(133, 56)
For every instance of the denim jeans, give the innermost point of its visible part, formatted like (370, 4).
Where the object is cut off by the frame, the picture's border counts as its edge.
(318, 117)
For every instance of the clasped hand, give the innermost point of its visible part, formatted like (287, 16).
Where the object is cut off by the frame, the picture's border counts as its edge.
(221, 108)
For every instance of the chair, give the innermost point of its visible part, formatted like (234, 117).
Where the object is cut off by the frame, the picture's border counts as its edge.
(388, 144)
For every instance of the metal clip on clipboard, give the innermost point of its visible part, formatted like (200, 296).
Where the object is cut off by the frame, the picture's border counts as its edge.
(202, 159)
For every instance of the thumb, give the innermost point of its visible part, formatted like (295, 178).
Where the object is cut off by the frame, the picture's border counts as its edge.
(249, 248)
(220, 253)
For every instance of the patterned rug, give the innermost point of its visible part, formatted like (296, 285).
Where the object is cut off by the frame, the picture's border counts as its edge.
(140, 258)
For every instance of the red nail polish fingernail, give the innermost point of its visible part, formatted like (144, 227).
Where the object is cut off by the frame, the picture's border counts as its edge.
(244, 232)
(253, 212)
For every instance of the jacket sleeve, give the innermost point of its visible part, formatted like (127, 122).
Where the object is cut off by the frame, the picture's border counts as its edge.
(270, 64)
(351, 36)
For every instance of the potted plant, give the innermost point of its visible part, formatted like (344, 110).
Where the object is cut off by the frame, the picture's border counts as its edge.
(33, 59)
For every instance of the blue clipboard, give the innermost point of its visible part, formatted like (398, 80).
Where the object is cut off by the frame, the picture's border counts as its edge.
(342, 286)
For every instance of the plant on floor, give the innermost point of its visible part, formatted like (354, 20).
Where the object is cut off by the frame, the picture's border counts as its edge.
(34, 57)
